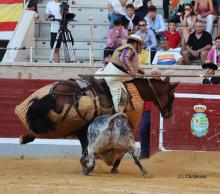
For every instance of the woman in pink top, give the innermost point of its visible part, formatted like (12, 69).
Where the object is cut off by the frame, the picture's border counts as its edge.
(214, 53)
(205, 12)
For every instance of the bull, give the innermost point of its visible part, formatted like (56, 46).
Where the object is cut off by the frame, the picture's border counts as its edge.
(109, 138)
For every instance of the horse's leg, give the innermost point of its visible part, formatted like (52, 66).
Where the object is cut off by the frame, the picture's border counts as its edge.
(137, 161)
(82, 136)
(26, 138)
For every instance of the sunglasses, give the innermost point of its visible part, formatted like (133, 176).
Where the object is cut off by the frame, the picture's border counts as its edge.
(142, 25)
(187, 9)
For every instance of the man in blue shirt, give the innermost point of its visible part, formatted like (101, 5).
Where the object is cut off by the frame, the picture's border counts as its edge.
(147, 35)
(155, 21)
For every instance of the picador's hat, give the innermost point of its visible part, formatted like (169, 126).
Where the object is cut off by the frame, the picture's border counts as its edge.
(136, 37)
(210, 66)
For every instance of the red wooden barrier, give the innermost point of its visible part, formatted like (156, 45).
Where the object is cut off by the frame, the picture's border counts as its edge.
(177, 132)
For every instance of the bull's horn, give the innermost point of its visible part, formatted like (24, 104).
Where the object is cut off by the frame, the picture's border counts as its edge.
(117, 115)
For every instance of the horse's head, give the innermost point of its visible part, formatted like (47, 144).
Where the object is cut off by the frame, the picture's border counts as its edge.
(160, 92)
(164, 96)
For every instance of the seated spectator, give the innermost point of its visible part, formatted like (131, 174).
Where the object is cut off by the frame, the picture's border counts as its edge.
(173, 36)
(188, 20)
(167, 56)
(214, 53)
(116, 10)
(179, 10)
(205, 12)
(116, 37)
(141, 7)
(198, 45)
(210, 69)
(155, 21)
(130, 20)
(147, 35)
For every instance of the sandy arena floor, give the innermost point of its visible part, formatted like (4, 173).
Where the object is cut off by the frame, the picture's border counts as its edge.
(62, 176)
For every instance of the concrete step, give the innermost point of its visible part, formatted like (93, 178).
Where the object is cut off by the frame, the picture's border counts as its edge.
(42, 50)
(84, 2)
(78, 31)
(83, 12)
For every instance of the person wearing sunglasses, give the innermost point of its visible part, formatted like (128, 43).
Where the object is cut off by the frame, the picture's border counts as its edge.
(179, 10)
(188, 20)
(147, 35)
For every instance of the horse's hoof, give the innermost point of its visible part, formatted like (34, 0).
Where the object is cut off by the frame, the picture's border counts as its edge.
(114, 171)
(85, 172)
(21, 140)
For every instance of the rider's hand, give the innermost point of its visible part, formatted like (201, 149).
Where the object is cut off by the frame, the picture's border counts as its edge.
(132, 73)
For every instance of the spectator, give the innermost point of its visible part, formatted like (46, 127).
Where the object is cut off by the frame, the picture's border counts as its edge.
(167, 56)
(173, 36)
(32, 6)
(145, 124)
(116, 37)
(147, 35)
(210, 69)
(155, 21)
(205, 12)
(116, 10)
(141, 8)
(188, 20)
(179, 10)
(214, 53)
(198, 45)
(166, 4)
(53, 9)
(130, 20)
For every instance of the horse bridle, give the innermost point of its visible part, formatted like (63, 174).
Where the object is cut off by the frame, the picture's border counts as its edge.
(161, 104)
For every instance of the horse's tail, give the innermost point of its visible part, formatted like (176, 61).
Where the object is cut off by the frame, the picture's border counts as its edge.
(37, 114)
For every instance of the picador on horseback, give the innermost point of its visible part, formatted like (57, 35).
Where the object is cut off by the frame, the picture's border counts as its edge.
(124, 61)
(67, 108)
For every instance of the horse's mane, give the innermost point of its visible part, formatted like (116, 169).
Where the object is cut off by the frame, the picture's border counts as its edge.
(151, 79)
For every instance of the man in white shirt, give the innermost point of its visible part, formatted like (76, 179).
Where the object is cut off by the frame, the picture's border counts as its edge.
(53, 8)
(167, 56)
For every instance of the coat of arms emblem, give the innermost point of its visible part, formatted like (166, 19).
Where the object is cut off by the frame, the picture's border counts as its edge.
(199, 122)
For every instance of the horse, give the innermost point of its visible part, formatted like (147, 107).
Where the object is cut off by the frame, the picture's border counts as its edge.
(160, 92)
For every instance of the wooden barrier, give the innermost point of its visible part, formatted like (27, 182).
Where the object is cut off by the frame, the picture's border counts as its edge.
(176, 134)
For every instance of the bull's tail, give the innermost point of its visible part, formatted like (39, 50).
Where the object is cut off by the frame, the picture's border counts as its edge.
(113, 117)
(37, 114)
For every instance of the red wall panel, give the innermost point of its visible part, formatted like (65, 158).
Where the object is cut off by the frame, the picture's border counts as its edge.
(178, 135)
(177, 132)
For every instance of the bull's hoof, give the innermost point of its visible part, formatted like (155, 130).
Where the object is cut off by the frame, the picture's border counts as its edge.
(85, 171)
(144, 173)
(114, 171)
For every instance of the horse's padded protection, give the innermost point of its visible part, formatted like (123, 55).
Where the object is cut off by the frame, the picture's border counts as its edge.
(73, 121)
